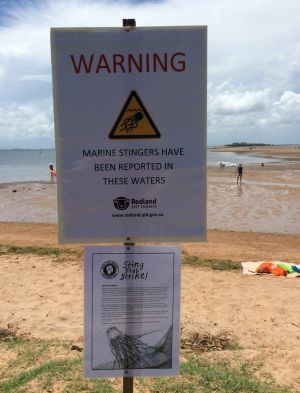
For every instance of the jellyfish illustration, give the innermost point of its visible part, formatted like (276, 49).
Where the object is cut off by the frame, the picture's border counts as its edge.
(130, 351)
(132, 121)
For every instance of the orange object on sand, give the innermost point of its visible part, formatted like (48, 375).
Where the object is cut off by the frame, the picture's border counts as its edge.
(271, 268)
(279, 271)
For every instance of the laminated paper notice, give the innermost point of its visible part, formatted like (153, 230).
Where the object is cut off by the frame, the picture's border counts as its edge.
(132, 311)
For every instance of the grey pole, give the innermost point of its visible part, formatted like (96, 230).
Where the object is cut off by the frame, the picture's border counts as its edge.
(128, 381)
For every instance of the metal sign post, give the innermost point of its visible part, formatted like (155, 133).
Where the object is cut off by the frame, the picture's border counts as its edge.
(128, 385)
(128, 381)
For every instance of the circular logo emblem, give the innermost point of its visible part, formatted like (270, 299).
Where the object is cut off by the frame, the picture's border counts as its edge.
(109, 269)
(121, 203)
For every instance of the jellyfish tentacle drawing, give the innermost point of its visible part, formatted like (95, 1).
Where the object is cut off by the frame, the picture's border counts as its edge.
(131, 122)
(130, 351)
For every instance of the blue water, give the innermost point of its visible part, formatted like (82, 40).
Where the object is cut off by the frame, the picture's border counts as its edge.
(229, 158)
(25, 165)
(33, 165)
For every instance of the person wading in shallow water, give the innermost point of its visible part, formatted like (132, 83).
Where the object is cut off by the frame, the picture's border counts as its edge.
(52, 170)
(239, 173)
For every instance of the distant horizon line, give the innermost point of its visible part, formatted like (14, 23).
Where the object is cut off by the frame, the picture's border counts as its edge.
(208, 147)
(25, 148)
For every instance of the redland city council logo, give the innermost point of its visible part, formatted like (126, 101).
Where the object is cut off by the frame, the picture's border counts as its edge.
(121, 203)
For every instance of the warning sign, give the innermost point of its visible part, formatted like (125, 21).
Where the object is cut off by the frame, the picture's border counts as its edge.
(134, 121)
(130, 123)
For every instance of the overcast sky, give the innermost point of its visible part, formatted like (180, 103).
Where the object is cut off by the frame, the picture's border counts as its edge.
(253, 63)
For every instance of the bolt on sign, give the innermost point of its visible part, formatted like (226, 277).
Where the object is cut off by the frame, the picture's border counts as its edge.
(130, 130)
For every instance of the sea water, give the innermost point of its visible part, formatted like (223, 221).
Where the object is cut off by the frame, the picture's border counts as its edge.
(18, 165)
(230, 158)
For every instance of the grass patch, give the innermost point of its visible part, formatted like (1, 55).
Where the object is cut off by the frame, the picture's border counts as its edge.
(215, 264)
(68, 373)
(42, 251)
(49, 366)
(30, 352)
(200, 376)
(191, 260)
(53, 368)
(9, 335)
(170, 385)
(35, 369)
(219, 377)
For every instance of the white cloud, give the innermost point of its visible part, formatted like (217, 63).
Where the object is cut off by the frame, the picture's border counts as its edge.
(235, 114)
(37, 77)
(231, 106)
(25, 121)
(285, 111)
(290, 101)
(235, 102)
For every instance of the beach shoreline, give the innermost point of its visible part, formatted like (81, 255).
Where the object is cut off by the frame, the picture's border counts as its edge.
(267, 201)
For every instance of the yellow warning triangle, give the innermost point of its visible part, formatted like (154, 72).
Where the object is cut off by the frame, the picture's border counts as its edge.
(134, 122)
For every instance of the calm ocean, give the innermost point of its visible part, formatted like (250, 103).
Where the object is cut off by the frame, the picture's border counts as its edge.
(25, 165)
(33, 165)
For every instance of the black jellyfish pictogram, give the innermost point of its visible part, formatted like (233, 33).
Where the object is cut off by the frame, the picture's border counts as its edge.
(132, 122)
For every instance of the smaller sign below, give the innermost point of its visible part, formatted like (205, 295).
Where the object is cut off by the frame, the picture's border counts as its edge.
(132, 298)
(134, 122)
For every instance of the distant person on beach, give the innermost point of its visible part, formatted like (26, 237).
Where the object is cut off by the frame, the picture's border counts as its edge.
(239, 173)
(52, 170)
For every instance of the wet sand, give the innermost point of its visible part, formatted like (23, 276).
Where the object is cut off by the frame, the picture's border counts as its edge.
(267, 201)
(28, 202)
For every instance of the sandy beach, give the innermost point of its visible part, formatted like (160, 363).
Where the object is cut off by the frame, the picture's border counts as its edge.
(42, 296)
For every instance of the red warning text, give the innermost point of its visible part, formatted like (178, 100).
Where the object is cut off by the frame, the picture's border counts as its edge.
(128, 63)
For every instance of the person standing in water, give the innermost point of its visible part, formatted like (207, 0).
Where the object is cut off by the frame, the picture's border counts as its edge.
(239, 174)
(52, 170)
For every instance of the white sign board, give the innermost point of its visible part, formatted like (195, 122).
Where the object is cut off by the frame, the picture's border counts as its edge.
(130, 123)
(132, 311)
